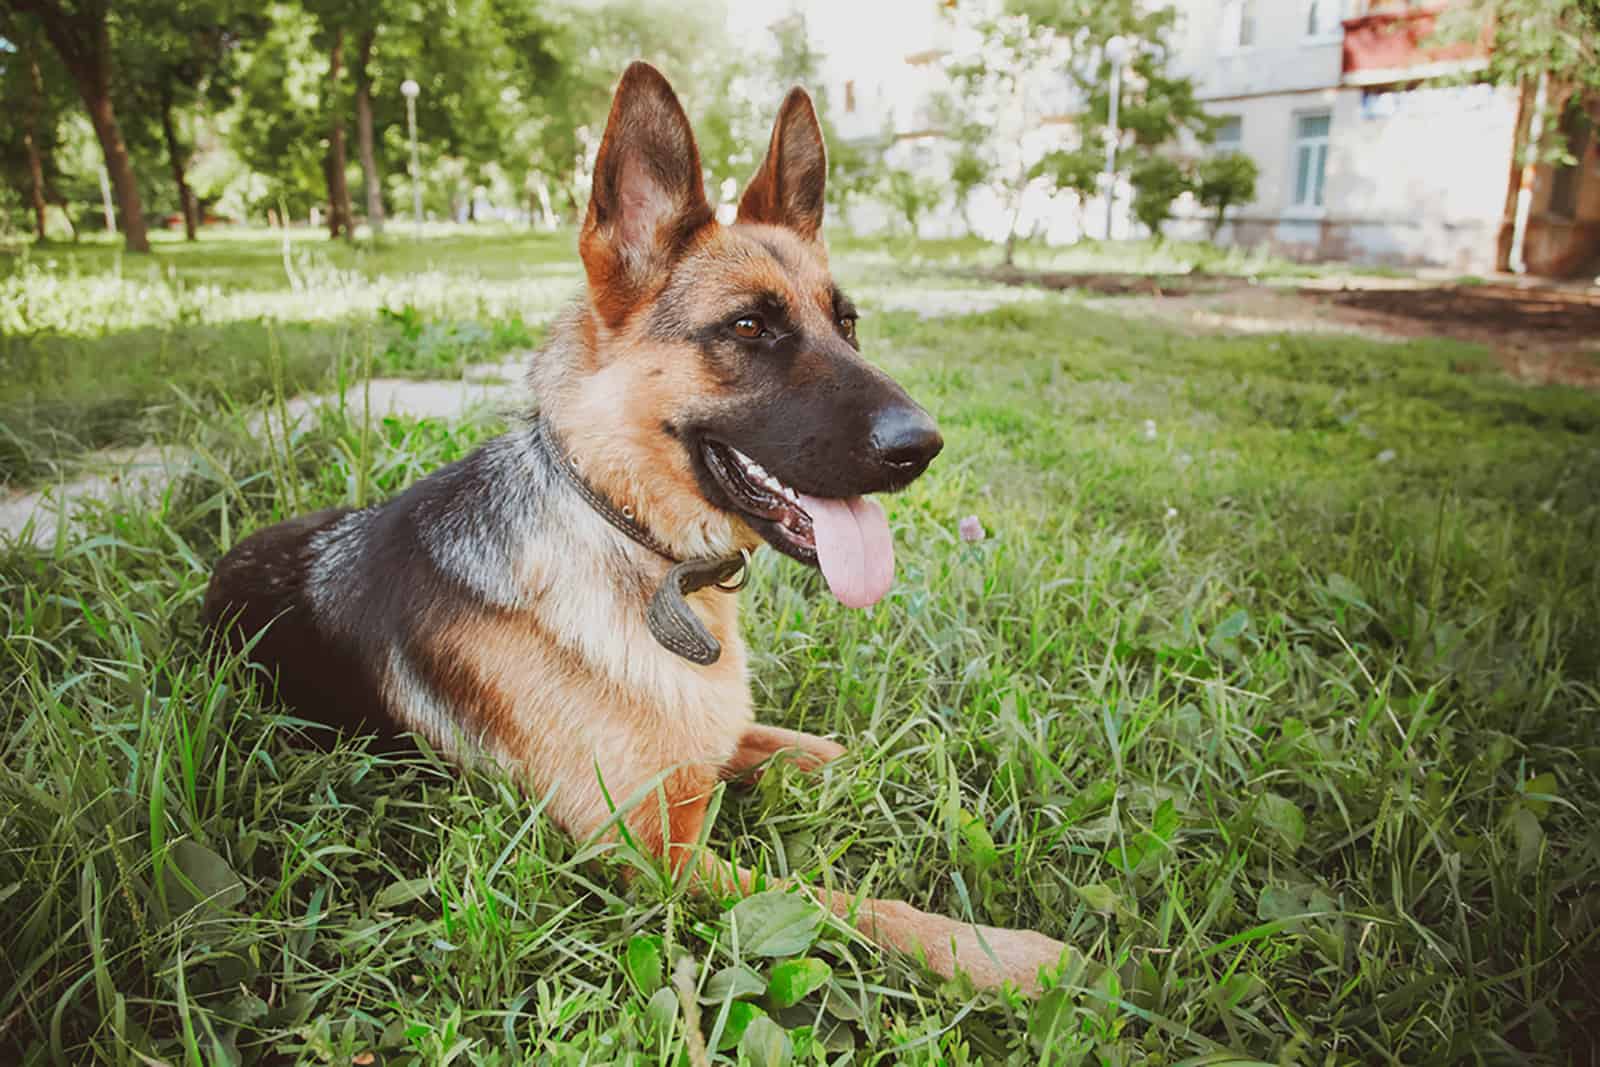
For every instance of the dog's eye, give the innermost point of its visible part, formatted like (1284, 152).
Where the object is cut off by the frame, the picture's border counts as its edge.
(847, 326)
(749, 327)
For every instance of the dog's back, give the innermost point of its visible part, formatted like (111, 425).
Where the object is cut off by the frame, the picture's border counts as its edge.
(339, 599)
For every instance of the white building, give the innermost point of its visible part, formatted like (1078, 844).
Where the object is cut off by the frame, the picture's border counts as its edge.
(1373, 144)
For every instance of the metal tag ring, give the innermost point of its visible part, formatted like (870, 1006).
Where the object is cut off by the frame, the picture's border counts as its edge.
(744, 575)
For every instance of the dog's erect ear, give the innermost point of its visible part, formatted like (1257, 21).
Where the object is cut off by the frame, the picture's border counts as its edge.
(649, 198)
(788, 186)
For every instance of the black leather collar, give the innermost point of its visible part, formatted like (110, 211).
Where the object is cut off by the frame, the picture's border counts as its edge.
(670, 618)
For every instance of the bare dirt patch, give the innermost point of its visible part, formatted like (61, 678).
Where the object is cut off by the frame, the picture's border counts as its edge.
(1541, 334)
(1119, 283)
(1544, 334)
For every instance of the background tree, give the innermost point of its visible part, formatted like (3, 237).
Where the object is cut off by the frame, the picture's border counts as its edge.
(911, 195)
(1073, 170)
(1224, 180)
(1157, 181)
(968, 171)
(173, 62)
(33, 104)
(1000, 72)
(80, 32)
(361, 74)
(1555, 40)
(1155, 107)
(274, 123)
(334, 19)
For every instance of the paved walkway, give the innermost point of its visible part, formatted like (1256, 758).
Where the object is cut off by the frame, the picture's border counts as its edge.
(140, 475)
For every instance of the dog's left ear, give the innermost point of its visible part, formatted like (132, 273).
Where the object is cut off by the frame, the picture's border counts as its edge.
(788, 186)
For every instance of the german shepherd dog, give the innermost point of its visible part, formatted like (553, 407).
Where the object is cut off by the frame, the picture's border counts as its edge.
(560, 601)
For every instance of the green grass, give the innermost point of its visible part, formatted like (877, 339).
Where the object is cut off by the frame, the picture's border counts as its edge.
(1273, 691)
(100, 349)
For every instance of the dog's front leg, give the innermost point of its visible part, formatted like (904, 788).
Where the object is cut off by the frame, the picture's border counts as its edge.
(760, 743)
(989, 955)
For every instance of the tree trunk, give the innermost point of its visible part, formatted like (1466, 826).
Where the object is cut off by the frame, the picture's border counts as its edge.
(96, 92)
(179, 163)
(338, 186)
(369, 159)
(35, 183)
(84, 44)
(66, 214)
(31, 144)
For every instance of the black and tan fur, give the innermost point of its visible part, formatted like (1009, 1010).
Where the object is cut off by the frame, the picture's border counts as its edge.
(494, 611)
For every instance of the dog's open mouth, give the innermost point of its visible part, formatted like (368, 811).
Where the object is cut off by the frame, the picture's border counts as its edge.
(847, 537)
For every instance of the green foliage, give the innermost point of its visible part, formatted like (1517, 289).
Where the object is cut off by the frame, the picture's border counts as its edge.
(911, 195)
(1558, 38)
(276, 124)
(1157, 182)
(1078, 169)
(1221, 181)
(36, 96)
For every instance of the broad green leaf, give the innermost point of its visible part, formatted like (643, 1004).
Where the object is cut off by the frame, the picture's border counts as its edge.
(1233, 625)
(663, 1007)
(840, 1004)
(1050, 1020)
(793, 980)
(643, 963)
(196, 875)
(733, 983)
(402, 892)
(1277, 902)
(776, 923)
(741, 1013)
(1101, 898)
(980, 847)
(1280, 815)
(765, 1044)
(1166, 821)
(1529, 837)
(1536, 792)
(1346, 590)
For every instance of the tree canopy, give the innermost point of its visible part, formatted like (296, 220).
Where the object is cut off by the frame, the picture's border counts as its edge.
(188, 109)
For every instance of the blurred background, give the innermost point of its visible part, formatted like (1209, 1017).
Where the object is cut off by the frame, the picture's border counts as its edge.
(1457, 135)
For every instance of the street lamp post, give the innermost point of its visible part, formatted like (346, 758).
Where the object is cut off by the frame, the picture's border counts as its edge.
(409, 89)
(1116, 54)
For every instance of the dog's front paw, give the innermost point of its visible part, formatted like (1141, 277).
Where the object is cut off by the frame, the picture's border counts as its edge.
(812, 752)
(992, 956)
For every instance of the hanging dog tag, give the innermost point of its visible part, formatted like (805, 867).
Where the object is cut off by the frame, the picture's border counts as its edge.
(673, 621)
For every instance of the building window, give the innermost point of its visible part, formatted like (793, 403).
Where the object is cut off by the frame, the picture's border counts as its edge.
(1325, 18)
(1310, 158)
(1576, 131)
(1229, 135)
(1238, 24)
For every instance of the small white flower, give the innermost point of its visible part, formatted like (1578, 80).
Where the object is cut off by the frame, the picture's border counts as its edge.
(1184, 459)
(1149, 429)
(971, 529)
(1386, 456)
(1172, 513)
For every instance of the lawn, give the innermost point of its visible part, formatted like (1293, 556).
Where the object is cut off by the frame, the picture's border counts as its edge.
(1272, 690)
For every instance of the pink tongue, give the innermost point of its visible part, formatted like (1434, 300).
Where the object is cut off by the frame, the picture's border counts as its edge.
(853, 546)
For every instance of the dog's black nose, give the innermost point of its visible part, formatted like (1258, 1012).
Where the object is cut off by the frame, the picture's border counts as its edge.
(906, 438)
